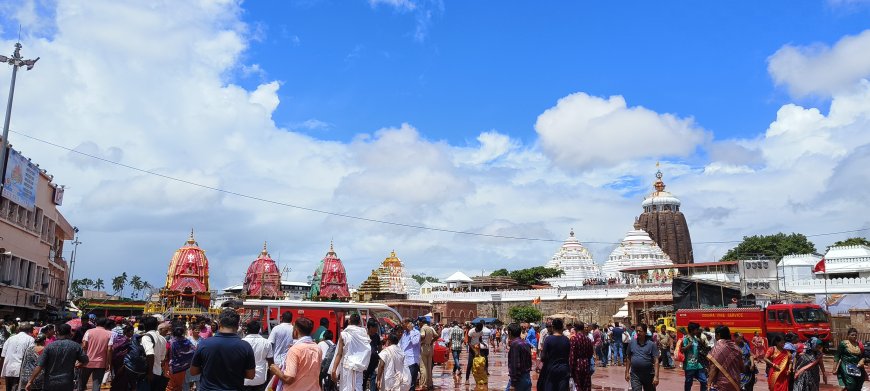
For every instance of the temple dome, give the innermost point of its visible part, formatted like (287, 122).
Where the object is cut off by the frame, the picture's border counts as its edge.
(263, 279)
(390, 278)
(187, 277)
(575, 260)
(637, 249)
(330, 279)
(660, 197)
(666, 224)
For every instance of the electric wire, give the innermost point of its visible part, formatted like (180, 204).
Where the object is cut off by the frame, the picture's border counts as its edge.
(354, 217)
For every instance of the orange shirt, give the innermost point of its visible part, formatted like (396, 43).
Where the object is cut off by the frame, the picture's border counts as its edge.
(303, 363)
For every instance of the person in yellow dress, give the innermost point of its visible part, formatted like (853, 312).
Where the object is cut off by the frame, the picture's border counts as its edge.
(478, 369)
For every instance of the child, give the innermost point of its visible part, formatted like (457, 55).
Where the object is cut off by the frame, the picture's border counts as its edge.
(478, 368)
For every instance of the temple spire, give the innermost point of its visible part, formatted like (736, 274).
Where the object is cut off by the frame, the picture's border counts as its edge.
(265, 252)
(190, 239)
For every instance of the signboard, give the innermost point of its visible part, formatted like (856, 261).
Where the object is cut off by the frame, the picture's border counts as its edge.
(758, 276)
(21, 180)
(58, 195)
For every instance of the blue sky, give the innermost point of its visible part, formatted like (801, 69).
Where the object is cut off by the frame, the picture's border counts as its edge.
(497, 65)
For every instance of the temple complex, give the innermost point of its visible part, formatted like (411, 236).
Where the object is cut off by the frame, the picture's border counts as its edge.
(263, 279)
(666, 225)
(389, 281)
(329, 281)
(637, 249)
(576, 261)
(186, 290)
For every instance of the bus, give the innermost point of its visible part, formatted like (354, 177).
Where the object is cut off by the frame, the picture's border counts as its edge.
(336, 313)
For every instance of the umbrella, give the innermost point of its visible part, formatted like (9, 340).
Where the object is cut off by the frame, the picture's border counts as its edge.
(75, 323)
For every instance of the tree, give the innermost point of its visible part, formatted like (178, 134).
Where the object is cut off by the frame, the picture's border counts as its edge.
(525, 313)
(500, 273)
(770, 246)
(76, 287)
(86, 283)
(856, 241)
(99, 284)
(423, 278)
(535, 275)
(136, 284)
(119, 282)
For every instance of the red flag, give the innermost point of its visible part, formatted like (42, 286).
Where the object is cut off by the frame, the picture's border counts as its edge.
(820, 267)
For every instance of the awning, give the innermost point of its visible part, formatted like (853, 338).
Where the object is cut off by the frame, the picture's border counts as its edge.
(484, 320)
(622, 313)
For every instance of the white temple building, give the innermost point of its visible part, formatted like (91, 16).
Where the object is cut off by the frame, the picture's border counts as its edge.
(637, 249)
(576, 261)
(847, 270)
(796, 267)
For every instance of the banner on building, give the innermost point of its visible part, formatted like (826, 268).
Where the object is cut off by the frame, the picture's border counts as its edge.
(758, 277)
(58, 195)
(21, 180)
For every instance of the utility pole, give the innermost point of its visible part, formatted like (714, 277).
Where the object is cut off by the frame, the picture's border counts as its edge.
(72, 263)
(16, 61)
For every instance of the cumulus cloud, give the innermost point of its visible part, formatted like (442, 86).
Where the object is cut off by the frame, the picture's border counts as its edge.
(820, 69)
(583, 132)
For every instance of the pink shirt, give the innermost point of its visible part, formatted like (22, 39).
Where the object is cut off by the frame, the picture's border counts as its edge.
(98, 339)
(303, 363)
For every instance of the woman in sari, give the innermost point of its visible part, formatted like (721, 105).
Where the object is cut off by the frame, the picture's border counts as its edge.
(28, 363)
(759, 346)
(120, 346)
(779, 361)
(849, 363)
(808, 366)
(181, 352)
(580, 360)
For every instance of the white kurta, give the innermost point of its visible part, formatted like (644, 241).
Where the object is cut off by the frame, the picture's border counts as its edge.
(13, 353)
(394, 369)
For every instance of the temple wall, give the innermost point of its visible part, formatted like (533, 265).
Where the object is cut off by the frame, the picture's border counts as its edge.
(598, 311)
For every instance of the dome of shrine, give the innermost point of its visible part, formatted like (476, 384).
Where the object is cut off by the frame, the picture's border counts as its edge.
(660, 196)
(330, 279)
(575, 260)
(263, 279)
(187, 277)
(636, 249)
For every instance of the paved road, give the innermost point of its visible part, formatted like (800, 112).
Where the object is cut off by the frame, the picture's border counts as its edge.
(607, 379)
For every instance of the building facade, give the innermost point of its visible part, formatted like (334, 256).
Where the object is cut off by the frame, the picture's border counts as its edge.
(33, 271)
(637, 249)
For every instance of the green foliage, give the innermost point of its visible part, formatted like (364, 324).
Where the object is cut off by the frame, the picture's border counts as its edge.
(137, 285)
(535, 275)
(770, 246)
(525, 313)
(856, 241)
(119, 282)
(500, 273)
(423, 278)
(99, 284)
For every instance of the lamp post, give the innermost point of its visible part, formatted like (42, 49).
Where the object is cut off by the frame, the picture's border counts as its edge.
(72, 263)
(16, 61)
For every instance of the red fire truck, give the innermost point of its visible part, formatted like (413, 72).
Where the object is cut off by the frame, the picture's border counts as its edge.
(804, 319)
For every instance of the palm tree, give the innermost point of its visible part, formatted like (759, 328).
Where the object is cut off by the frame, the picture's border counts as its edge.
(119, 282)
(86, 283)
(99, 284)
(136, 284)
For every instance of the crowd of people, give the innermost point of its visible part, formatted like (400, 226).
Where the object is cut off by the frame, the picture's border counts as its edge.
(148, 354)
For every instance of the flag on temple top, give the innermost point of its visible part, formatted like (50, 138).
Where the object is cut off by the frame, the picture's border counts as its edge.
(820, 267)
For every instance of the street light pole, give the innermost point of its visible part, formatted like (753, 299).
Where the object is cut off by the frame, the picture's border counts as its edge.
(16, 61)
(72, 264)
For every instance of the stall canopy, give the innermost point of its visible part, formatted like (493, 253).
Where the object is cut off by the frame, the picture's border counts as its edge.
(622, 313)
(690, 293)
(484, 320)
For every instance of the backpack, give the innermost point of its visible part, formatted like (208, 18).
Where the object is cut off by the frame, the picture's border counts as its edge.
(327, 360)
(134, 360)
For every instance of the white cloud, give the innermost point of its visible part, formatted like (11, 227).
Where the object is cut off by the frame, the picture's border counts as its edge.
(312, 124)
(819, 69)
(403, 5)
(583, 132)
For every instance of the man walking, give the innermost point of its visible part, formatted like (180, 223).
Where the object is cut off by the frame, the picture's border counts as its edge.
(224, 360)
(692, 365)
(370, 376)
(410, 344)
(154, 345)
(352, 356)
(263, 356)
(519, 360)
(616, 343)
(427, 346)
(456, 338)
(301, 370)
(665, 343)
(13, 353)
(281, 337)
(97, 344)
(642, 362)
(57, 362)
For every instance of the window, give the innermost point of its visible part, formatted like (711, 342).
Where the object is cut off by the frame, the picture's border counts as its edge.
(810, 315)
(782, 316)
(771, 316)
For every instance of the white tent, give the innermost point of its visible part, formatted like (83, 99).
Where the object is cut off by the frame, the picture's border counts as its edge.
(457, 280)
(622, 313)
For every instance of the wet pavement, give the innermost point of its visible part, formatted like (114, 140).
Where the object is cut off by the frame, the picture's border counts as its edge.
(611, 378)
